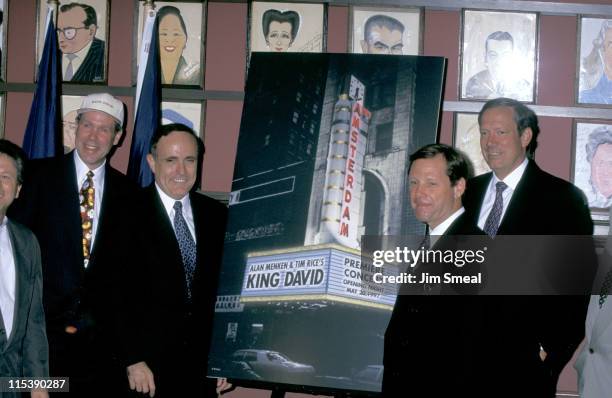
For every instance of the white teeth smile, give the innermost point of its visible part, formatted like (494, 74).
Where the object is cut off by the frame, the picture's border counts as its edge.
(169, 48)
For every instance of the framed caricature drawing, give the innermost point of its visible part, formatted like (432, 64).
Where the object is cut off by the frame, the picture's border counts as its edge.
(181, 41)
(187, 113)
(394, 31)
(595, 61)
(592, 162)
(70, 104)
(466, 138)
(287, 27)
(498, 55)
(82, 34)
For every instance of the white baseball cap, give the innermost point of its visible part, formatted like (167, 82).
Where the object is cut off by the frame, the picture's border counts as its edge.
(104, 103)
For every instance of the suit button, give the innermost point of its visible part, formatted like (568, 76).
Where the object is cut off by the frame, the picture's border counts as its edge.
(591, 350)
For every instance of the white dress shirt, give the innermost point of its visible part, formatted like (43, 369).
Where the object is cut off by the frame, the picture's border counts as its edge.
(7, 278)
(98, 180)
(436, 232)
(168, 203)
(77, 61)
(511, 181)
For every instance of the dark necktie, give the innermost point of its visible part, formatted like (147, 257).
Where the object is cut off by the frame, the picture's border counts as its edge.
(426, 242)
(186, 245)
(86, 199)
(605, 288)
(492, 224)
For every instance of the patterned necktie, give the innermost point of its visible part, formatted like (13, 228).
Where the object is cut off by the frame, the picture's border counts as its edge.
(86, 198)
(426, 242)
(69, 68)
(186, 244)
(492, 223)
(605, 288)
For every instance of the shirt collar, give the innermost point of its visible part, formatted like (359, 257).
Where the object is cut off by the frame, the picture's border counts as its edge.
(514, 177)
(82, 169)
(168, 202)
(441, 229)
(82, 53)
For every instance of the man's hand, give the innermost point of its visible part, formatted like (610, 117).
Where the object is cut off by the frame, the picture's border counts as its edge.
(39, 394)
(223, 385)
(141, 378)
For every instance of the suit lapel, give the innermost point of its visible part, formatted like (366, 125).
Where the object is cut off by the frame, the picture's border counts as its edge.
(108, 198)
(69, 205)
(512, 216)
(23, 289)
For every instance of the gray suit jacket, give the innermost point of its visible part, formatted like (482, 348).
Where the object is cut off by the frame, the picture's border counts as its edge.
(594, 363)
(25, 352)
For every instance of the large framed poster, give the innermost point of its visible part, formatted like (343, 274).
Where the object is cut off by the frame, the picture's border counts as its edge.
(322, 160)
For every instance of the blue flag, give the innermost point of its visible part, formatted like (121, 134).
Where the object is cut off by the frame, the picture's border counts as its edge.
(43, 134)
(148, 103)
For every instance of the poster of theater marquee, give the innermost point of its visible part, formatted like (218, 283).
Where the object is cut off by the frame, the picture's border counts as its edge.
(322, 160)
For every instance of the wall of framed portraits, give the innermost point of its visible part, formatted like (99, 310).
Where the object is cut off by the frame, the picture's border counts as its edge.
(555, 56)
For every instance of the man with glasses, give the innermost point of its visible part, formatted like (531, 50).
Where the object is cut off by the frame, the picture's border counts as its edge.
(82, 52)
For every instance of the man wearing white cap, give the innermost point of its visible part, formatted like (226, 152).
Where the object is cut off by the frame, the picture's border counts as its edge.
(75, 205)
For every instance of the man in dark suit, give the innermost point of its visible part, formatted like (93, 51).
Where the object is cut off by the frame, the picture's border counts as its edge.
(540, 334)
(23, 341)
(75, 205)
(433, 343)
(82, 52)
(172, 283)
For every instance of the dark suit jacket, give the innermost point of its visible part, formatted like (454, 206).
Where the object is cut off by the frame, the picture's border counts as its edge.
(433, 343)
(25, 352)
(172, 335)
(542, 204)
(49, 205)
(92, 67)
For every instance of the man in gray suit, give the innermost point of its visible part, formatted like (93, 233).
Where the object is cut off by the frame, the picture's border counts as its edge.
(23, 340)
(594, 363)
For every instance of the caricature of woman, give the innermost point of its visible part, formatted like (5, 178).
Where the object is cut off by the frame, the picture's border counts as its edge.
(172, 42)
(280, 29)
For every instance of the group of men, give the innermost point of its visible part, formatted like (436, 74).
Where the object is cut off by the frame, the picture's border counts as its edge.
(129, 275)
(496, 345)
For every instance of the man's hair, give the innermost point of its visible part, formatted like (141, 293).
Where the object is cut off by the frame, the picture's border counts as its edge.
(171, 10)
(457, 166)
(118, 127)
(17, 154)
(524, 117)
(499, 36)
(601, 135)
(281, 17)
(166, 129)
(383, 21)
(90, 13)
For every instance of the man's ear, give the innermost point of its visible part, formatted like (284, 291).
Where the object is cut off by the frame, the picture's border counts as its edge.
(151, 162)
(92, 30)
(526, 137)
(459, 188)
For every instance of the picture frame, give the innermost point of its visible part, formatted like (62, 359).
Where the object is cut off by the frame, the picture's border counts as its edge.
(189, 113)
(3, 37)
(592, 83)
(84, 56)
(70, 104)
(498, 55)
(309, 36)
(184, 69)
(2, 114)
(592, 162)
(398, 30)
(466, 138)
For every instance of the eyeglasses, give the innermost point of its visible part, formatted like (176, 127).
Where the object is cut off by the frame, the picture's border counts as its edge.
(69, 32)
